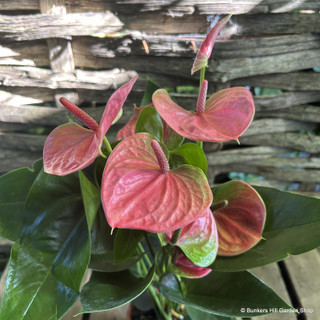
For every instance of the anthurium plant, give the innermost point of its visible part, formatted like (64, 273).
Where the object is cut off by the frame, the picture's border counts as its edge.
(141, 215)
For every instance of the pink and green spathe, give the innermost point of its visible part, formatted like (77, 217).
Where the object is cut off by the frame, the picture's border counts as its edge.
(71, 147)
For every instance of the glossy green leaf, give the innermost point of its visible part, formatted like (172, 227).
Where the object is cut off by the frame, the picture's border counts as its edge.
(14, 189)
(170, 138)
(223, 293)
(191, 154)
(150, 121)
(106, 291)
(102, 243)
(125, 244)
(292, 227)
(91, 198)
(151, 87)
(197, 314)
(48, 263)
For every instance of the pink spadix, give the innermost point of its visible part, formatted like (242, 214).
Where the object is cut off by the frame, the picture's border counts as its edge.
(161, 157)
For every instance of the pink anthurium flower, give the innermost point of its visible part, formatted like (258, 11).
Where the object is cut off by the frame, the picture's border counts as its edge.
(223, 117)
(186, 268)
(139, 191)
(205, 50)
(70, 147)
(198, 240)
(240, 223)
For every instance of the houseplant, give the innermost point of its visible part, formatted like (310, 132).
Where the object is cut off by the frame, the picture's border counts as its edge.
(141, 214)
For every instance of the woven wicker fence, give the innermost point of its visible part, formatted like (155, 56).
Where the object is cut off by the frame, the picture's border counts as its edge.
(83, 50)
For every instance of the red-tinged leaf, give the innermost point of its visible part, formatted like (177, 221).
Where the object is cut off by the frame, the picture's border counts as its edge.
(114, 105)
(227, 114)
(128, 129)
(206, 47)
(185, 268)
(241, 222)
(69, 148)
(136, 194)
(199, 240)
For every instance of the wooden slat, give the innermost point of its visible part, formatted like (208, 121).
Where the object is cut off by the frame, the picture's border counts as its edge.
(270, 274)
(304, 271)
(39, 77)
(299, 112)
(164, 45)
(288, 81)
(175, 8)
(225, 157)
(76, 24)
(301, 142)
(290, 175)
(230, 69)
(264, 126)
(44, 26)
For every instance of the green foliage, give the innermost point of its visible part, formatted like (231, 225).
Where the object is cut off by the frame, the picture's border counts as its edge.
(52, 253)
(106, 291)
(15, 187)
(150, 121)
(151, 87)
(189, 153)
(226, 295)
(125, 244)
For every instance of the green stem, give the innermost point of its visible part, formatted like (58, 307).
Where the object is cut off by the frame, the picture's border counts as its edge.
(202, 74)
(144, 255)
(149, 244)
(102, 154)
(151, 289)
(107, 144)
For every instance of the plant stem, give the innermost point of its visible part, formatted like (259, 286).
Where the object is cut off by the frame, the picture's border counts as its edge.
(202, 74)
(149, 244)
(107, 144)
(151, 289)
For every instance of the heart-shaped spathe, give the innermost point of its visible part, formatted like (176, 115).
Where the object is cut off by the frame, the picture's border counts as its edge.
(138, 194)
(70, 147)
(241, 222)
(226, 115)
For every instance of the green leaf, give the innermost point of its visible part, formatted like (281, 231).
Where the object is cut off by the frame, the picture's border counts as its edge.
(151, 87)
(171, 139)
(106, 291)
(14, 189)
(150, 121)
(91, 199)
(102, 243)
(191, 154)
(292, 227)
(49, 261)
(125, 244)
(197, 314)
(223, 293)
